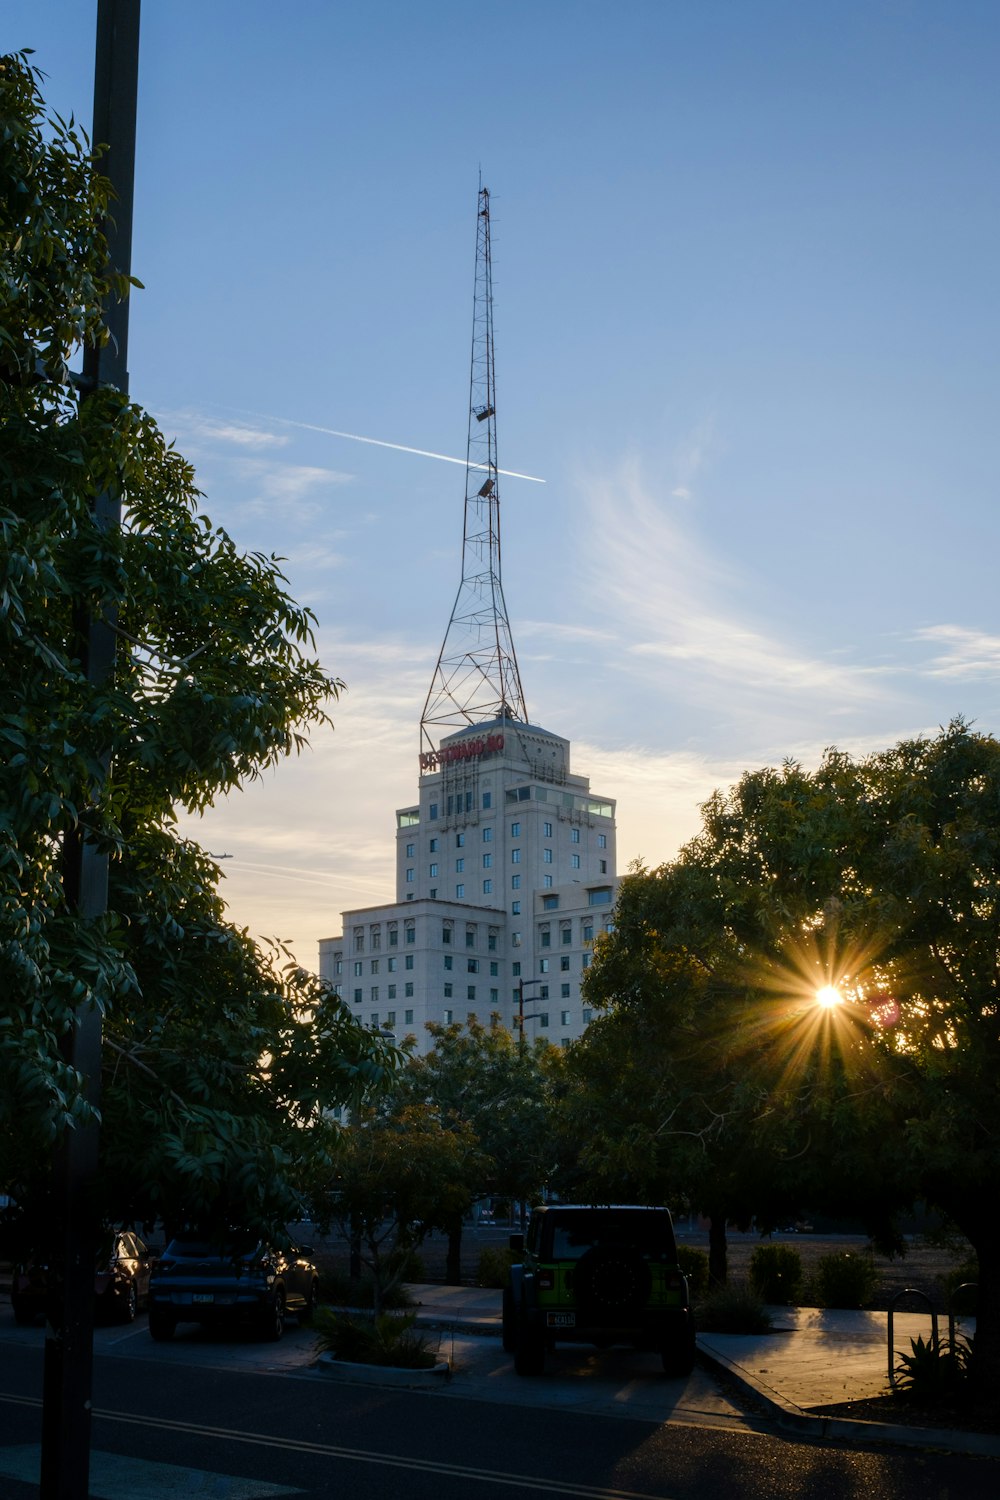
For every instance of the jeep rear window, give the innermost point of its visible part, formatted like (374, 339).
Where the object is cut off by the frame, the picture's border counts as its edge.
(646, 1233)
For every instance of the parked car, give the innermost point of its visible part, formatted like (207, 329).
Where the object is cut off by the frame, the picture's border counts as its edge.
(199, 1279)
(121, 1281)
(598, 1276)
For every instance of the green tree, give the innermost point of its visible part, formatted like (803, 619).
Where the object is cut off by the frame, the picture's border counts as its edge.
(878, 881)
(216, 1057)
(479, 1077)
(400, 1174)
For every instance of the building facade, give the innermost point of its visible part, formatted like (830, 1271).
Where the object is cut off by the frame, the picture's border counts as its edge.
(505, 875)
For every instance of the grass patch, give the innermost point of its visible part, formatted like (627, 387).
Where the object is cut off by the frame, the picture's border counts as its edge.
(733, 1308)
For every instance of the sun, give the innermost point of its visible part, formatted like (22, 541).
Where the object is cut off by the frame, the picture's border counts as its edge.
(828, 997)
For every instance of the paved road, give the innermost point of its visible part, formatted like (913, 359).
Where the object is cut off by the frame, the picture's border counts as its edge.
(238, 1421)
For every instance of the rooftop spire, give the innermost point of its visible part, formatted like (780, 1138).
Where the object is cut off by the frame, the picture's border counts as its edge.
(476, 679)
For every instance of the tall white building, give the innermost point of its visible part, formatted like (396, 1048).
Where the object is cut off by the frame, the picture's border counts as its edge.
(505, 864)
(505, 874)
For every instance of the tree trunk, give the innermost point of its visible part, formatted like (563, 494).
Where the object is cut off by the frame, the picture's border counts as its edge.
(453, 1264)
(718, 1251)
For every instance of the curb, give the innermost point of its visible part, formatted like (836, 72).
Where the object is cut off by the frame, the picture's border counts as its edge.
(794, 1419)
(342, 1369)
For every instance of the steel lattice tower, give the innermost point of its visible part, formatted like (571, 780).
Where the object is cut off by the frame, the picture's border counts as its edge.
(476, 680)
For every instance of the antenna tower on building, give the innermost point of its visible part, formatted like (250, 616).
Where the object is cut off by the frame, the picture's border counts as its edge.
(476, 680)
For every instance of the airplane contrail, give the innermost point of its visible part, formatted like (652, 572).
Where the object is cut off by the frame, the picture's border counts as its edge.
(356, 437)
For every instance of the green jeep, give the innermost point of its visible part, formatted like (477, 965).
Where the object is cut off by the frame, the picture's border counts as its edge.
(598, 1276)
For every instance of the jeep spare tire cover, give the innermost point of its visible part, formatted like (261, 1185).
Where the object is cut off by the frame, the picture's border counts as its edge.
(612, 1281)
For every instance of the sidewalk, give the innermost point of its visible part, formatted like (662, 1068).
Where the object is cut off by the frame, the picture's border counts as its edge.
(812, 1357)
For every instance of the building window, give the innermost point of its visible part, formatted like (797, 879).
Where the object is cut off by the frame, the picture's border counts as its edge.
(460, 893)
(408, 964)
(515, 940)
(460, 841)
(472, 965)
(374, 1019)
(446, 934)
(487, 835)
(359, 968)
(494, 997)
(546, 856)
(411, 934)
(390, 1018)
(408, 988)
(547, 882)
(574, 860)
(515, 830)
(433, 871)
(585, 960)
(494, 967)
(470, 937)
(515, 856)
(491, 942)
(487, 887)
(515, 882)
(546, 938)
(604, 867)
(448, 961)
(434, 846)
(359, 940)
(448, 1016)
(432, 811)
(487, 800)
(459, 866)
(357, 997)
(409, 850)
(470, 992)
(393, 938)
(374, 993)
(546, 830)
(574, 835)
(391, 991)
(601, 896)
(515, 969)
(550, 903)
(565, 1017)
(374, 965)
(447, 991)
(564, 991)
(339, 966)
(602, 841)
(543, 966)
(391, 963)
(564, 963)
(487, 861)
(515, 908)
(409, 876)
(588, 932)
(408, 1014)
(543, 1019)
(587, 1014)
(376, 937)
(567, 936)
(433, 892)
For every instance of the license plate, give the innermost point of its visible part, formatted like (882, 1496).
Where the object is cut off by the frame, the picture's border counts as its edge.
(203, 1297)
(560, 1320)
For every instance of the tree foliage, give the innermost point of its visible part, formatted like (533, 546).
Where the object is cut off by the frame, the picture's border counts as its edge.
(216, 1057)
(878, 878)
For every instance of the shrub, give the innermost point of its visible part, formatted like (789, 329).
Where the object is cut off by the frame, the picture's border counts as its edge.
(495, 1262)
(845, 1280)
(776, 1273)
(933, 1372)
(733, 1308)
(694, 1263)
(389, 1339)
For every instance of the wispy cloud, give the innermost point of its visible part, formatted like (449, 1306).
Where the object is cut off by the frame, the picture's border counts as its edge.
(198, 426)
(964, 652)
(676, 603)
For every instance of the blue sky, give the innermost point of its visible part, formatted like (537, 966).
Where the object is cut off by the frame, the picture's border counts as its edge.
(747, 331)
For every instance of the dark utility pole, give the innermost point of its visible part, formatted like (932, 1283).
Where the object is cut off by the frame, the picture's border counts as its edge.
(69, 1334)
